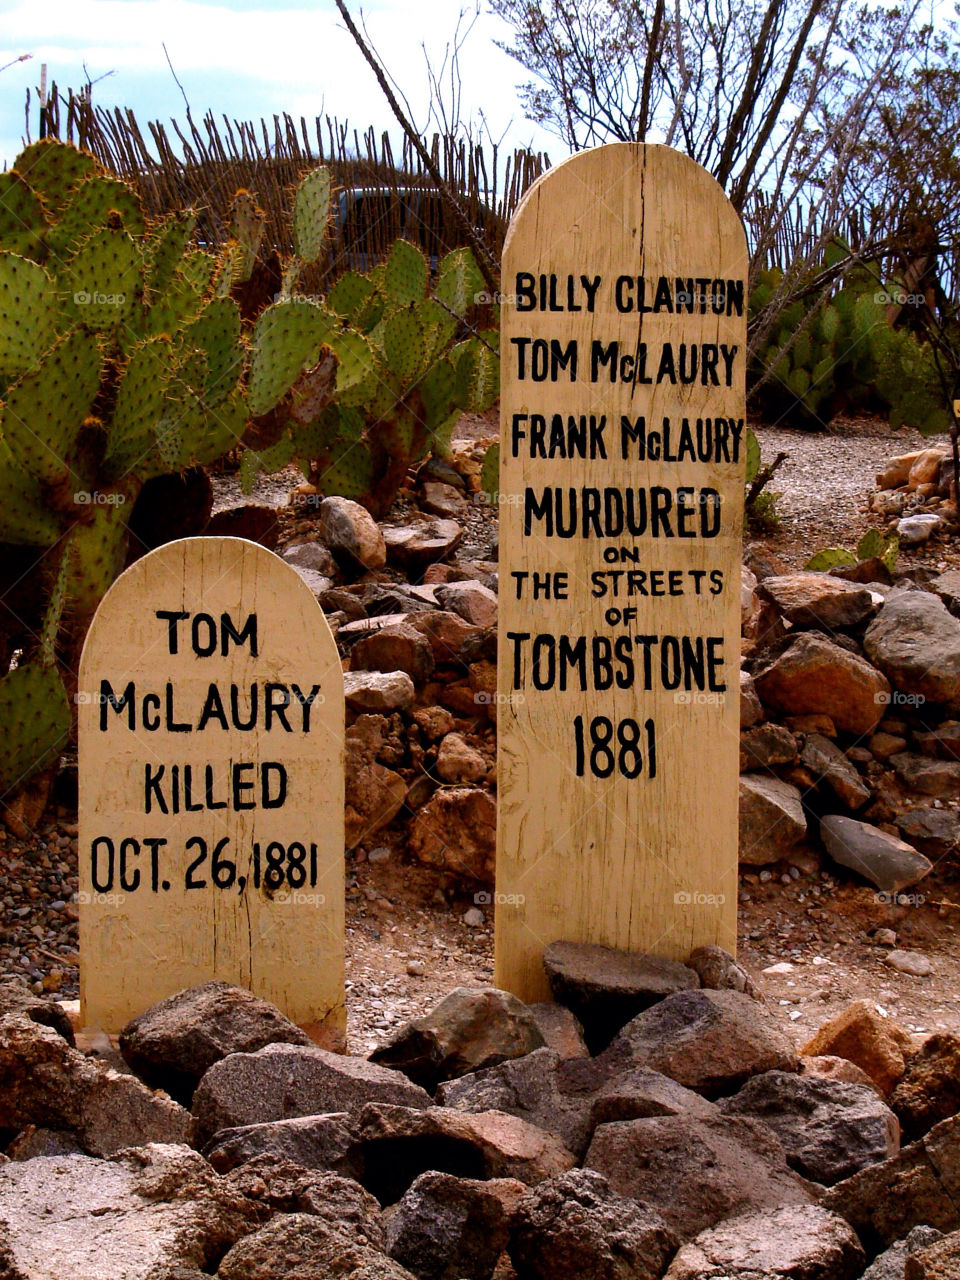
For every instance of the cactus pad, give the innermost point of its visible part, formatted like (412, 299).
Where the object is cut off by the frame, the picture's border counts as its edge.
(438, 390)
(351, 473)
(53, 169)
(830, 558)
(25, 519)
(35, 714)
(139, 406)
(286, 340)
(438, 325)
(216, 332)
(21, 217)
(405, 274)
(28, 313)
(459, 282)
(103, 280)
(478, 374)
(404, 345)
(90, 206)
(43, 411)
(311, 208)
(490, 474)
(97, 550)
(164, 248)
(247, 225)
(348, 295)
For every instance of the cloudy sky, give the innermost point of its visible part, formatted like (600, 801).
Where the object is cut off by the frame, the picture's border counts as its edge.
(249, 58)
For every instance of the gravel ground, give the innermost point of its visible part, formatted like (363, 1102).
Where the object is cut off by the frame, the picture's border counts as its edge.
(825, 481)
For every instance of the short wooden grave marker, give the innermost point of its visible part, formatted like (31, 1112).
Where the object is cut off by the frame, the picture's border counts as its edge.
(623, 351)
(211, 788)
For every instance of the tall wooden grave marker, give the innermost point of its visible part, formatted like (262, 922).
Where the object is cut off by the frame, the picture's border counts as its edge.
(621, 501)
(211, 788)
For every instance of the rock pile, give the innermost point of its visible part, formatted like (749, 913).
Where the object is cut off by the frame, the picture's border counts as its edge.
(915, 491)
(849, 691)
(850, 708)
(483, 1141)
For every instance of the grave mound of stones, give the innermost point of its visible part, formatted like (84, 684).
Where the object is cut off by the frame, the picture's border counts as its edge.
(484, 1139)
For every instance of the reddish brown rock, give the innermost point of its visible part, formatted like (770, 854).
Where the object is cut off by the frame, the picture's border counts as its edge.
(400, 647)
(457, 830)
(930, 1088)
(814, 675)
(399, 1143)
(696, 1171)
(458, 761)
(771, 820)
(445, 633)
(876, 1044)
(709, 1041)
(817, 600)
(920, 1186)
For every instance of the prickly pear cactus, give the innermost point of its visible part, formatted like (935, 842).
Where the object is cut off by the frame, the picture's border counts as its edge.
(120, 359)
(835, 351)
(400, 377)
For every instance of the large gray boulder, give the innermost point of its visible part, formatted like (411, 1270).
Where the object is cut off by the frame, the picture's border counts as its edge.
(889, 863)
(574, 1226)
(696, 1172)
(709, 1041)
(605, 988)
(173, 1043)
(828, 1129)
(467, 1031)
(915, 642)
(142, 1215)
(285, 1080)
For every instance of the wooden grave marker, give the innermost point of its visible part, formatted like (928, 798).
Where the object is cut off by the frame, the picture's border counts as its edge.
(211, 726)
(622, 462)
